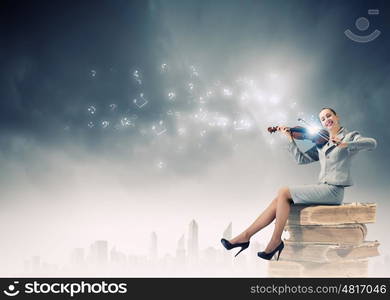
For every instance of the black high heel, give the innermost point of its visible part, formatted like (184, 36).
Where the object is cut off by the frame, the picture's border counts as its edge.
(229, 245)
(268, 256)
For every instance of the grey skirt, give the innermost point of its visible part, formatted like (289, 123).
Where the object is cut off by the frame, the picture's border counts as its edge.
(320, 193)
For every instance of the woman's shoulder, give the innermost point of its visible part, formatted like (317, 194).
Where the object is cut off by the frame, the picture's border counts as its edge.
(350, 135)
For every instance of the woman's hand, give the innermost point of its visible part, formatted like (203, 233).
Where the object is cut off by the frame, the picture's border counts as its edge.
(285, 130)
(338, 142)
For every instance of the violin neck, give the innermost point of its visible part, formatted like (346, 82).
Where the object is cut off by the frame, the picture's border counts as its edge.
(298, 129)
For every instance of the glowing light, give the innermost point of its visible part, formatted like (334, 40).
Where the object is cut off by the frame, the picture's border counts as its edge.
(113, 106)
(159, 128)
(164, 68)
(293, 105)
(125, 122)
(227, 92)
(277, 116)
(201, 115)
(314, 129)
(171, 95)
(105, 124)
(92, 109)
(194, 72)
(137, 76)
(242, 124)
(141, 101)
(222, 121)
(182, 131)
(161, 164)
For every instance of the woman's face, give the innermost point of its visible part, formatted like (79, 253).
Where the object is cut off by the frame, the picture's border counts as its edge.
(328, 119)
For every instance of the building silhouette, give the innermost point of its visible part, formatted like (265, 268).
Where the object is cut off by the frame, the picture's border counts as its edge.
(77, 257)
(99, 253)
(181, 251)
(193, 243)
(153, 247)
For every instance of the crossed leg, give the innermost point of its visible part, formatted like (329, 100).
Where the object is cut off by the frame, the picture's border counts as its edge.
(278, 209)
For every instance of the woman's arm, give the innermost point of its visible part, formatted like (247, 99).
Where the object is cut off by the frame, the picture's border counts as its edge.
(300, 157)
(359, 142)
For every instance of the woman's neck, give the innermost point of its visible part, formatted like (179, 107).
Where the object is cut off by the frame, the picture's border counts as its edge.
(335, 130)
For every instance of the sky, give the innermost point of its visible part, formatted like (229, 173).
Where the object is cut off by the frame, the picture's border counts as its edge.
(120, 118)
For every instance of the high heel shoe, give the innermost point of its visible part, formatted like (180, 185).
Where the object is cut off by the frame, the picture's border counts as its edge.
(229, 245)
(268, 256)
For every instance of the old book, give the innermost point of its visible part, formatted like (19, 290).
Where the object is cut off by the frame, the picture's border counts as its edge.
(348, 268)
(347, 213)
(350, 234)
(320, 253)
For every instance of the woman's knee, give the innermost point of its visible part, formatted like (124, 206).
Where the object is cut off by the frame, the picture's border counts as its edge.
(284, 192)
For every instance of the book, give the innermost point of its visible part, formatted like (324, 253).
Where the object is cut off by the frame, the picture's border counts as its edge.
(353, 234)
(347, 213)
(321, 253)
(347, 268)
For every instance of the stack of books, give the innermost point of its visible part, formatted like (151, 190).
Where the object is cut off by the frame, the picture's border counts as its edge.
(326, 241)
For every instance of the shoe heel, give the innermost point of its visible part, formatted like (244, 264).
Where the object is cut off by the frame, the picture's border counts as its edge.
(278, 255)
(280, 251)
(242, 248)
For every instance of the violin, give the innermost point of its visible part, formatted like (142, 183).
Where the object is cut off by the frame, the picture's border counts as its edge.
(320, 138)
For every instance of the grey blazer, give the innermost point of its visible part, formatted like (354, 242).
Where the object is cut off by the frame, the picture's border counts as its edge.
(335, 161)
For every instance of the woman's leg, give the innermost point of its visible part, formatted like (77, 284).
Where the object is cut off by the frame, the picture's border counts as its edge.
(282, 213)
(266, 217)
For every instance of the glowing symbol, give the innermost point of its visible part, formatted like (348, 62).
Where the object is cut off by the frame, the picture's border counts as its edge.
(105, 124)
(164, 68)
(141, 101)
(137, 76)
(159, 128)
(92, 109)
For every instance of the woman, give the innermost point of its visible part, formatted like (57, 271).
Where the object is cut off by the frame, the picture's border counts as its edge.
(335, 160)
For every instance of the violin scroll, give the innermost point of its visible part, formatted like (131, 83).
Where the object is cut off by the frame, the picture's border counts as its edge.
(272, 129)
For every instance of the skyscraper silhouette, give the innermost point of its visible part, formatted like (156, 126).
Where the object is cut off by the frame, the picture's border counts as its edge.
(99, 252)
(153, 247)
(193, 244)
(180, 251)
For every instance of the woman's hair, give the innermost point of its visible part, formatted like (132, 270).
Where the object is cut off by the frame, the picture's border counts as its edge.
(332, 110)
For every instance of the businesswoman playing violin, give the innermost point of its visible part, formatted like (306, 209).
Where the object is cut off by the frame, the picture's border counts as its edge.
(334, 155)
